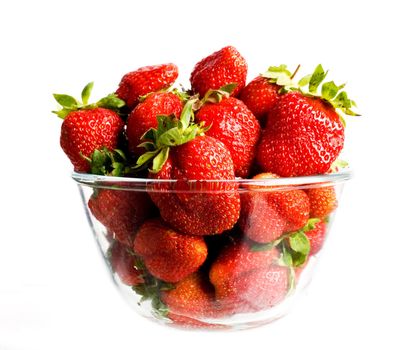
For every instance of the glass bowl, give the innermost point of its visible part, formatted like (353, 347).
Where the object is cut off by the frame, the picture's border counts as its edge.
(211, 254)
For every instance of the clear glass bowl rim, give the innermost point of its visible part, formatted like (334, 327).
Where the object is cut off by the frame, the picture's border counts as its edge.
(143, 184)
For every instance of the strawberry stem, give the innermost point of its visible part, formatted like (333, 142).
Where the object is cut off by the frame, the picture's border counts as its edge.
(295, 72)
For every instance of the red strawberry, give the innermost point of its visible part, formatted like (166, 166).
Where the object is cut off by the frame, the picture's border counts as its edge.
(304, 134)
(88, 127)
(246, 279)
(267, 215)
(144, 116)
(167, 254)
(123, 264)
(316, 236)
(144, 80)
(121, 212)
(236, 127)
(192, 297)
(238, 258)
(260, 96)
(187, 209)
(255, 290)
(85, 131)
(221, 68)
(322, 201)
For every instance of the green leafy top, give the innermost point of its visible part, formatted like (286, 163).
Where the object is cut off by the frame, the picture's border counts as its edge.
(70, 104)
(110, 163)
(294, 246)
(170, 132)
(313, 85)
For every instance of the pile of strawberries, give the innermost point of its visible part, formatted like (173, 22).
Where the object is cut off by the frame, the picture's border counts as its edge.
(207, 250)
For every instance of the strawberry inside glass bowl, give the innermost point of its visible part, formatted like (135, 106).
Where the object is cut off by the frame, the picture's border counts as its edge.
(223, 254)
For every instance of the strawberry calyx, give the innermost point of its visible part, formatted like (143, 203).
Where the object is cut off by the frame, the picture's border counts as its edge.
(106, 162)
(70, 104)
(294, 246)
(170, 132)
(312, 85)
(309, 85)
(151, 289)
(280, 75)
(216, 96)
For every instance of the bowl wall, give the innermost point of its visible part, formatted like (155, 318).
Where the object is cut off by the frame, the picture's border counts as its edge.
(211, 254)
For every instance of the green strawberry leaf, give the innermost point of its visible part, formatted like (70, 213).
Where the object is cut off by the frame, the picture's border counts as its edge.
(86, 93)
(311, 224)
(261, 247)
(159, 160)
(171, 137)
(111, 101)
(229, 88)
(317, 77)
(150, 134)
(106, 162)
(285, 257)
(305, 80)
(62, 113)
(159, 309)
(187, 114)
(299, 243)
(147, 156)
(329, 90)
(66, 101)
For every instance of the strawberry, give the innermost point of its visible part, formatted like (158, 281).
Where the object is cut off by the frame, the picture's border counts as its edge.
(316, 236)
(267, 215)
(246, 279)
(88, 127)
(198, 212)
(237, 258)
(144, 80)
(304, 133)
(255, 290)
(236, 127)
(123, 264)
(144, 116)
(223, 67)
(168, 254)
(180, 151)
(322, 201)
(121, 212)
(260, 96)
(192, 297)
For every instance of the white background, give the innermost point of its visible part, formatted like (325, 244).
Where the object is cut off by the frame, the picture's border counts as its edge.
(54, 291)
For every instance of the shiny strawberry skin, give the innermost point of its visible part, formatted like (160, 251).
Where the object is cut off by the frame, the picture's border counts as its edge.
(240, 275)
(144, 80)
(267, 215)
(123, 264)
(317, 237)
(144, 116)
(303, 136)
(193, 210)
(192, 297)
(238, 258)
(255, 290)
(323, 201)
(223, 67)
(168, 254)
(260, 96)
(121, 212)
(87, 130)
(236, 127)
